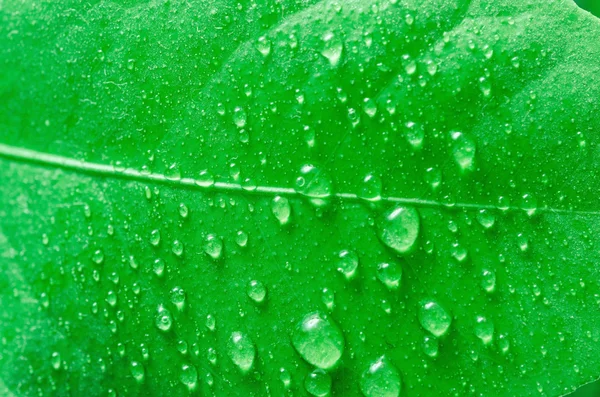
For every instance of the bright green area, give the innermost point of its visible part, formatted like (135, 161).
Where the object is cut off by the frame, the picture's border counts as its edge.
(483, 115)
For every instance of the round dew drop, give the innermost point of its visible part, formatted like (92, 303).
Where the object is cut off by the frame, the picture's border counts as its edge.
(434, 318)
(241, 351)
(399, 228)
(381, 379)
(319, 341)
(318, 383)
(390, 274)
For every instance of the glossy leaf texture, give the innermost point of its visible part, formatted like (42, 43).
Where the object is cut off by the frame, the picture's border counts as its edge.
(226, 198)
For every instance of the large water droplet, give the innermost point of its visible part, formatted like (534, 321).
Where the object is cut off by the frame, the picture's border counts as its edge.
(164, 319)
(332, 48)
(399, 228)
(315, 184)
(318, 383)
(319, 341)
(241, 351)
(280, 207)
(390, 275)
(213, 246)
(463, 151)
(381, 379)
(434, 318)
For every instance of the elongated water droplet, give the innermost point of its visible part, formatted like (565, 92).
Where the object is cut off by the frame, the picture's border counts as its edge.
(213, 246)
(433, 177)
(155, 237)
(164, 319)
(486, 218)
(434, 318)
(239, 117)
(484, 330)
(183, 210)
(332, 48)
(381, 379)
(463, 151)
(318, 383)
(98, 256)
(488, 280)
(177, 248)
(319, 341)
(55, 360)
(370, 107)
(263, 45)
(158, 267)
(241, 351)
(280, 207)
(189, 376)
(178, 297)
(347, 264)
(399, 228)
(529, 204)
(137, 371)
(241, 238)
(430, 346)
(390, 275)
(415, 135)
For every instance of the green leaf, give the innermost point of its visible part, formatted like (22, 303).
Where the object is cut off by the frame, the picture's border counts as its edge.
(276, 198)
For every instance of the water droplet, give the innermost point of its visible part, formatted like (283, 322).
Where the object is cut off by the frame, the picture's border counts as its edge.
(381, 379)
(529, 204)
(189, 376)
(523, 242)
(328, 298)
(459, 252)
(463, 151)
(172, 173)
(390, 275)
(182, 347)
(488, 280)
(399, 228)
(263, 45)
(211, 355)
(158, 267)
(315, 184)
(484, 330)
(241, 351)
(433, 177)
(486, 218)
(503, 343)
(319, 341)
(155, 237)
(205, 179)
(183, 210)
(434, 318)
(485, 87)
(213, 246)
(239, 117)
(178, 297)
(241, 238)
(137, 371)
(370, 188)
(280, 207)
(415, 135)
(285, 378)
(318, 383)
(111, 298)
(98, 256)
(256, 291)
(211, 322)
(177, 248)
(430, 346)
(55, 360)
(332, 49)
(370, 107)
(164, 319)
(347, 263)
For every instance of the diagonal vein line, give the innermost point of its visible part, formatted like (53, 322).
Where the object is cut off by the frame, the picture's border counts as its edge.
(52, 160)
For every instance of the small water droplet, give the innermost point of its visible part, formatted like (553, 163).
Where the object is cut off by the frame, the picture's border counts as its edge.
(434, 318)
(177, 248)
(529, 204)
(183, 210)
(485, 87)
(430, 346)
(263, 45)
(399, 228)
(319, 341)
(328, 298)
(241, 238)
(280, 207)
(155, 237)
(503, 343)
(211, 322)
(158, 267)
(318, 383)
(173, 173)
(486, 218)
(415, 134)
(205, 179)
(433, 177)
(285, 378)
(347, 263)
(315, 184)
(55, 360)
(256, 291)
(370, 107)
(332, 48)
(164, 319)
(178, 297)
(370, 188)
(98, 256)
(488, 280)
(381, 379)
(213, 246)
(484, 330)
(241, 351)
(239, 117)
(111, 298)
(390, 274)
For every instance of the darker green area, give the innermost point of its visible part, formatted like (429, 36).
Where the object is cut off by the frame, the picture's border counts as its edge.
(592, 6)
